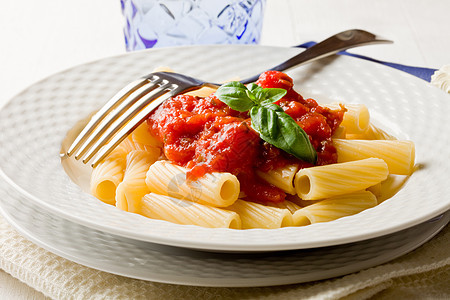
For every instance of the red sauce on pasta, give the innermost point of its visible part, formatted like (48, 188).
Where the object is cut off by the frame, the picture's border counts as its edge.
(205, 135)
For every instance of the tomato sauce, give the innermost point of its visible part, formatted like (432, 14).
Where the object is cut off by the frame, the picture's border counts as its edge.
(205, 135)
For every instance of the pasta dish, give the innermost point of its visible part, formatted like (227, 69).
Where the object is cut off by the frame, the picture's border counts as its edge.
(255, 156)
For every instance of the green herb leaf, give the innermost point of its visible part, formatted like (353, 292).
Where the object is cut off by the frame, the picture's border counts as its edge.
(252, 87)
(279, 129)
(273, 95)
(235, 95)
(258, 92)
(268, 119)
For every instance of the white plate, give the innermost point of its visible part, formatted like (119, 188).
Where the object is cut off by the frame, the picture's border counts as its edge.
(35, 122)
(155, 262)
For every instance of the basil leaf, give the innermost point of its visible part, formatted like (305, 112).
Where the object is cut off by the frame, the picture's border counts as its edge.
(269, 94)
(279, 129)
(253, 86)
(268, 119)
(251, 96)
(234, 94)
(272, 94)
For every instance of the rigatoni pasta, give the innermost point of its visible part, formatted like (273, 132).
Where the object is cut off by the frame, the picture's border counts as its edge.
(286, 204)
(131, 190)
(215, 189)
(144, 140)
(356, 119)
(334, 208)
(338, 179)
(255, 215)
(372, 133)
(107, 176)
(398, 155)
(281, 177)
(185, 212)
(194, 159)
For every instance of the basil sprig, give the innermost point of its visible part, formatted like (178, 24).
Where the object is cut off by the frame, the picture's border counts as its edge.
(271, 122)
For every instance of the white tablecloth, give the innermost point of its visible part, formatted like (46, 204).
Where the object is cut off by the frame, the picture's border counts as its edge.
(39, 38)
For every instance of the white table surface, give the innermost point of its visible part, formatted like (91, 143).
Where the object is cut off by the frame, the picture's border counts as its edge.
(39, 38)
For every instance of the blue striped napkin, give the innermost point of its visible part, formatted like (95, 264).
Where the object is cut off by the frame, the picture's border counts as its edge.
(423, 73)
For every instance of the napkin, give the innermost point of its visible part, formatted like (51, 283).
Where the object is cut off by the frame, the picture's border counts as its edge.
(422, 274)
(423, 73)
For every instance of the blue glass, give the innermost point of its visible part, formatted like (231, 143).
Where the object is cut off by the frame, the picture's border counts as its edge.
(162, 23)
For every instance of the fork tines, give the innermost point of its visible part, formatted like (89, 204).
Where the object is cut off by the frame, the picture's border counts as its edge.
(123, 113)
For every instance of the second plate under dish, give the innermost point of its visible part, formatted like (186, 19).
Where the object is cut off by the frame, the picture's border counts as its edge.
(154, 262)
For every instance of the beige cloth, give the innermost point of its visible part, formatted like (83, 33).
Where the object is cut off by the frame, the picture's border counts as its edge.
(422, 274)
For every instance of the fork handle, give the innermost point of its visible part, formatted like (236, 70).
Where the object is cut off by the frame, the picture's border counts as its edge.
(338, 42)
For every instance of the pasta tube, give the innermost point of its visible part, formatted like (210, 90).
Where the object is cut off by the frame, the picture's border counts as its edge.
(356, 119)
(340, 133)
(107, 175)
(300, 202)
(255, 215)
(215, 189)
(282, 178)
(372, 133)
(334, 208)
(398, 155)
(188, 213)
(376, 189)
(341, 178)
(131, 190)
(141, 135)
(291, 206)
(140, 141)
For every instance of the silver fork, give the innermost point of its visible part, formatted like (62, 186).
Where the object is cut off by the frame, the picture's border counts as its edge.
(132, 105)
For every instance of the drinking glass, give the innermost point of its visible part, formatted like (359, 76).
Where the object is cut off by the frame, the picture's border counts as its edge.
(162, 23)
